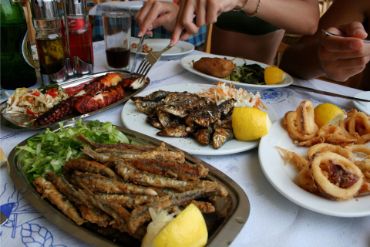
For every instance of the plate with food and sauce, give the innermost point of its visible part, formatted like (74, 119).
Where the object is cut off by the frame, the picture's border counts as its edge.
(132, 6)
(128, 202)
(241, 72)
(187, 116)
(76, 98)
(320, 168)
(180, 49)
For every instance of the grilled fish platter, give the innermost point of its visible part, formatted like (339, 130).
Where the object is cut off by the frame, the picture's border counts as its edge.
(102, 191)
(82, 97)
(204, 116)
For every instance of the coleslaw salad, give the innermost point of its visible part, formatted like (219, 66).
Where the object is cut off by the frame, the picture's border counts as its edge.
(34, 102)
(243, 98)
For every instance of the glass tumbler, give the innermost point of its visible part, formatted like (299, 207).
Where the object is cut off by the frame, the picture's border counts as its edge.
(117, 33)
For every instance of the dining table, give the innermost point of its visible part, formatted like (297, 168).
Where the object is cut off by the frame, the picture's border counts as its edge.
(273, 219)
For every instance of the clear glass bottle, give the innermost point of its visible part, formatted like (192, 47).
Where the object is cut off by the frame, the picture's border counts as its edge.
(15, 72)
(79, 36)
(49, 40)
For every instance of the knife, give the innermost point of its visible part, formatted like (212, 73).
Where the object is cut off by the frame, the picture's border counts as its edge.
(328, 93)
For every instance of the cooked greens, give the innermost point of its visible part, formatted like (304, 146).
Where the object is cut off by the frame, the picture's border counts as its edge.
(48, 151)
(248, 73)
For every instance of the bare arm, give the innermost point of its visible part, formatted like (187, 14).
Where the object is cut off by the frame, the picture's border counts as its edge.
(335, 57)
(297, 16)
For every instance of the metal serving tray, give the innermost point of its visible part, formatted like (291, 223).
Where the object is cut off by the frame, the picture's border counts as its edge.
(232, 211)
(23, 122)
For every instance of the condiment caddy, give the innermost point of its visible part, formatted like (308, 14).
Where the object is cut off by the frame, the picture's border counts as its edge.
(63, 39)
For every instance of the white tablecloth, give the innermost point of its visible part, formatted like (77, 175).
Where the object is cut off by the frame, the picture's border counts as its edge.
(273, 220)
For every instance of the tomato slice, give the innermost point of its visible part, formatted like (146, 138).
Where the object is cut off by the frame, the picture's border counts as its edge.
(36, 93)
(30, 112)
(53, 92)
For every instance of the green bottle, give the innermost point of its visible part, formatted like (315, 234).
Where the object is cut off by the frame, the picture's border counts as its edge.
(15, 72)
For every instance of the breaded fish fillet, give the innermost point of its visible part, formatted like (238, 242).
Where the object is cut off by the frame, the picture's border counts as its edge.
(218, 67)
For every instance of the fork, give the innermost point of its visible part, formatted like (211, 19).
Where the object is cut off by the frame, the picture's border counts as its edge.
(149, 60)
(327, 33)
(138, 49)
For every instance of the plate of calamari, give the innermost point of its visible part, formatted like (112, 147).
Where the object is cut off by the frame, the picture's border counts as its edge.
(36, 108)
(238, 71)
(190, 116)
(324, 168)
(110, 186)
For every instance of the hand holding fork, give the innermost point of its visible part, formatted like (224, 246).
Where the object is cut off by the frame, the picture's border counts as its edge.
(343, 51)
(149, 60)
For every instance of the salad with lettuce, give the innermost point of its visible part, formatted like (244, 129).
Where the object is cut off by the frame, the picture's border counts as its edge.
(49, 151)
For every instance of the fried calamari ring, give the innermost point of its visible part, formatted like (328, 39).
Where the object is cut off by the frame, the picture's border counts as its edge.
(336, 176)
(306, 118)
(365, 138)
(323, 147)
(334, 134)
(300, 124)
(363, 149)
(291, 124)
(364, 166)
(362, 158)
(358, 124)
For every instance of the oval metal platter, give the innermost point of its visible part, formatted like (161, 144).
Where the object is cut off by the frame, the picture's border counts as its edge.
(233, 210)
(22, 121)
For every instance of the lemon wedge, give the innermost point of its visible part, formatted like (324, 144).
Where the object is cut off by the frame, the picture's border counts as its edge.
(249, 123)
(328, 113)
(2, 157)
(273, 75)
(188, 229)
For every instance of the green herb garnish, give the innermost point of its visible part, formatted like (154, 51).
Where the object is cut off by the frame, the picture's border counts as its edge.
(248, 73)
(50, 150)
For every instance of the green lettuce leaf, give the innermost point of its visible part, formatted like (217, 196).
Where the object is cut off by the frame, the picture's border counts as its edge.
(49, 151)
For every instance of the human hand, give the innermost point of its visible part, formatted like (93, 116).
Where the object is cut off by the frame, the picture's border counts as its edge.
(156, 13)
(345, 56)
(205, 11)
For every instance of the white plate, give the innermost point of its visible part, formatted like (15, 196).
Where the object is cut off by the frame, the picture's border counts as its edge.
(363, 106)
(133, 6)
(180, 49)
(187, 63)
(135, 120)
(281, 177)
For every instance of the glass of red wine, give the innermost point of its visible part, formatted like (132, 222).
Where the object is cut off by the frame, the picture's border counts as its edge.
(117, 33)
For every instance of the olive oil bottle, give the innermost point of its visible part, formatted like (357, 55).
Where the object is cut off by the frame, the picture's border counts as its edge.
(49, 40)
(15, 72)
